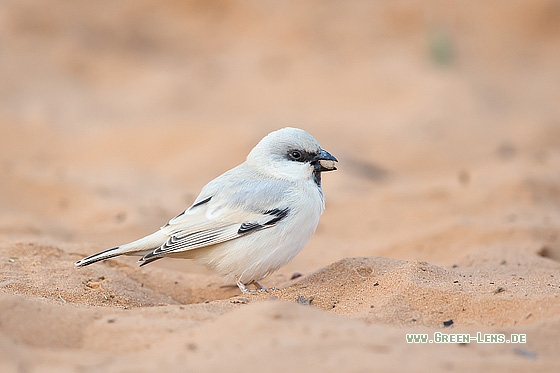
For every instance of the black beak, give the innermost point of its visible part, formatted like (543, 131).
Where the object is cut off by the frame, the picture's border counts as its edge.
(327, 165)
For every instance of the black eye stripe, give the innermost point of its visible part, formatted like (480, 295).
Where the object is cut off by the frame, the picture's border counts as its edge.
(300, 155)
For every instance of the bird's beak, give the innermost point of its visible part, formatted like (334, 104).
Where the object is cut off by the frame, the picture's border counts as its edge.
(324, 161)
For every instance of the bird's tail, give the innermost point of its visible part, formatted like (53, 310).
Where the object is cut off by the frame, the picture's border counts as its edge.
(139, 247)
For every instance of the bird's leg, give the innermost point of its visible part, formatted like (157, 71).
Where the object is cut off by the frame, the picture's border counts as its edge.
(244, 289)
(260, 287)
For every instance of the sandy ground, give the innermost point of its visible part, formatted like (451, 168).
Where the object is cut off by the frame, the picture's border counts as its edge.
(444, 215)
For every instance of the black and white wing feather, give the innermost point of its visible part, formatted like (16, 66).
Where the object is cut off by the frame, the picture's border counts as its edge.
(222, 216)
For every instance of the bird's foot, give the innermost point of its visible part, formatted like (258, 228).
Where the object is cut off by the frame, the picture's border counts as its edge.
(259, 287)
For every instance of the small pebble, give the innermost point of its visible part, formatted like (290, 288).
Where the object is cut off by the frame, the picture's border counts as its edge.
(304, 301)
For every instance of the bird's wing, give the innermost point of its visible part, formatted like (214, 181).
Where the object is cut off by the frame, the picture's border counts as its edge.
(226, 209)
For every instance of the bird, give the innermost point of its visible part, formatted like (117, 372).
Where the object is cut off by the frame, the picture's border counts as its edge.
(251, 220)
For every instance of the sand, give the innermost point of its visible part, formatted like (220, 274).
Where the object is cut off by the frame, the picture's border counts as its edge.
(444, 214)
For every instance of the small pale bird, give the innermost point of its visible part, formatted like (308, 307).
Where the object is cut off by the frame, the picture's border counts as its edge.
(252, 219)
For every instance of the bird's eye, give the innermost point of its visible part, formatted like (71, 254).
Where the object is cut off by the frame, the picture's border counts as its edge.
(295, 155)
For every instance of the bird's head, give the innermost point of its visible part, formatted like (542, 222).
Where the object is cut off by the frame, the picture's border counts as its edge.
(291, 154)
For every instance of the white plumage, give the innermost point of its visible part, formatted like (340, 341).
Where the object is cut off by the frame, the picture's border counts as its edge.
(252, 219)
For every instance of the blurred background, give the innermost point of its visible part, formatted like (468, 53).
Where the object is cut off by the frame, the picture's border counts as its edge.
(444, 115)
